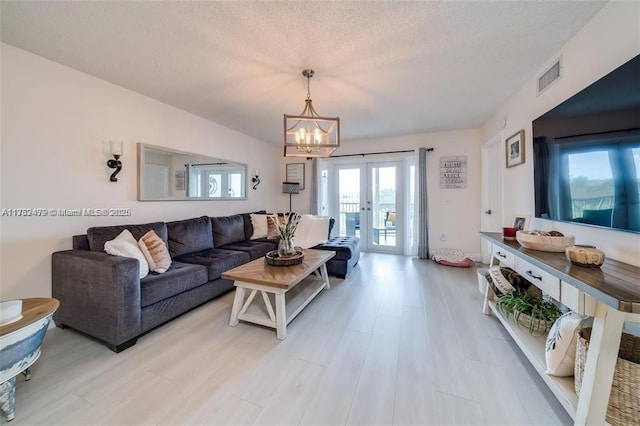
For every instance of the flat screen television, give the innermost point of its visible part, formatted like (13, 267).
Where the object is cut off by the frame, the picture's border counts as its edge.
(587, 154)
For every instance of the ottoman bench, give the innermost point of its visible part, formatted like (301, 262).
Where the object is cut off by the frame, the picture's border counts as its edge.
(347, 254)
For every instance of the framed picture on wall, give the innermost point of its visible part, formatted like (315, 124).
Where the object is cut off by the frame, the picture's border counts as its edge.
(295, 173)
(515, 149)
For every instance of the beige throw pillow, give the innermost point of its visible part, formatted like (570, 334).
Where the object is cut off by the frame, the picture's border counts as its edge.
(155, 251)
(260, 225)
(272, 231)
(126, 246)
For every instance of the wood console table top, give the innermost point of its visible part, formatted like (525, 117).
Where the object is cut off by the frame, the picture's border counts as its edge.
(33, 310)
(615, 283)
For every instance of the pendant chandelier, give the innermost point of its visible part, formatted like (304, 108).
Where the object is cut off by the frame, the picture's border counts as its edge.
(309, 134)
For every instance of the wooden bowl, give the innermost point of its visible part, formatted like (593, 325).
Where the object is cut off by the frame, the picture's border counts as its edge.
(585, 256)
(533, 241)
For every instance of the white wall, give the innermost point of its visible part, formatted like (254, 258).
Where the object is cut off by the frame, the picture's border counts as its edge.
(54, 120)
(610, 39)
(453, 212)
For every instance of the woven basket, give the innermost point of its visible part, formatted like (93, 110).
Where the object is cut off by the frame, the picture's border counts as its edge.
(624, 400)
(539, 327)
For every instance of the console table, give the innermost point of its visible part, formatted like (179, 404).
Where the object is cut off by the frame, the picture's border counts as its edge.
(611, 294)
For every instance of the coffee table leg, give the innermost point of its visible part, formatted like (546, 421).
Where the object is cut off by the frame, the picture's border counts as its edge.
(325, 276)
(281, 317)
(237, 305)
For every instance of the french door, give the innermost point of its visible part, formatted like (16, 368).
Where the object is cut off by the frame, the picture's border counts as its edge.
(370, 204)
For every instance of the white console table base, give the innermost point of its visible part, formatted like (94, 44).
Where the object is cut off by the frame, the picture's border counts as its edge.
(593, 401)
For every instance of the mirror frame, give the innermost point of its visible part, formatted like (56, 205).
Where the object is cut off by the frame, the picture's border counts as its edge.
(141, 169)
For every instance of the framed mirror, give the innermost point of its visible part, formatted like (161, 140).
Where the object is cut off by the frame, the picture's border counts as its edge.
(166, 175)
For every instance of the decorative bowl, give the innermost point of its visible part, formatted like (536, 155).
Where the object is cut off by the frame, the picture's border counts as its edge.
(585, 256)
(10, 311)
(274, 259)
(536, 240)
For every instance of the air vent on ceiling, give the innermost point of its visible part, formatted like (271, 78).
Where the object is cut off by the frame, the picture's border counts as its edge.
(549, 77)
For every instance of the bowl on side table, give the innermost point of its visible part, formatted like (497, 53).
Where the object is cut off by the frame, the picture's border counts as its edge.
(545, 241)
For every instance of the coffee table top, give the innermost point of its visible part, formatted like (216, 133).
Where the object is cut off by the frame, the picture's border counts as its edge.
(33, 309)
(258, 272)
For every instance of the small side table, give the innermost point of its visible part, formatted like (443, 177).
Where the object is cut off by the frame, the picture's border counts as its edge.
(20, 347)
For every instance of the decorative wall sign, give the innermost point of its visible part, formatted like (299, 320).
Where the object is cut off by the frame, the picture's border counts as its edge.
(515, 149)
(179, 180)
(295, 173)
(453, 172)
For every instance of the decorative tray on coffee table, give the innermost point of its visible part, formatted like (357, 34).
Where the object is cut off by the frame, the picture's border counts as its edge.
(273, 258)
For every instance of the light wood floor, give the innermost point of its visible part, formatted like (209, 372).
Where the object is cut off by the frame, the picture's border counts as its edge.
(400, 341)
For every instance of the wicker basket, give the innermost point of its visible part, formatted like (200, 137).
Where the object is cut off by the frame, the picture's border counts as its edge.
(539, 327)
(624, 400)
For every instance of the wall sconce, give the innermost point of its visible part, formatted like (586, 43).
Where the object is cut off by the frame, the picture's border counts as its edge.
(115, 149)
(256, 179)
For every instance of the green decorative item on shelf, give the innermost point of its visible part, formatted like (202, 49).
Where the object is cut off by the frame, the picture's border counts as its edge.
(531, 311)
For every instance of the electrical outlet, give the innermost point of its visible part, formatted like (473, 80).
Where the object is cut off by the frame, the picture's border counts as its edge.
(443, 237)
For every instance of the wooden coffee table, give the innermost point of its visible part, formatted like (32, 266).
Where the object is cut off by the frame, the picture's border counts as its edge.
(281, 282)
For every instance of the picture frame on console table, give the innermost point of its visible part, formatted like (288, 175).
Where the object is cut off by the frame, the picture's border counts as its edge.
(515, 149)
(521, 222)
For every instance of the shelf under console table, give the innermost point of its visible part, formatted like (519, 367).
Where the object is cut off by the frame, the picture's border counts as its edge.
(611, 294)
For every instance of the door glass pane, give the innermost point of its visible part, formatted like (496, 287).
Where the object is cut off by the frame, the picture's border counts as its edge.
(349, 196)
(383, 206)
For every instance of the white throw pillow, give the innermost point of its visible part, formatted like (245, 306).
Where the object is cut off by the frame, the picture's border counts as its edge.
(260, 225)
(312, 230)
(126, 246)
(560, 350)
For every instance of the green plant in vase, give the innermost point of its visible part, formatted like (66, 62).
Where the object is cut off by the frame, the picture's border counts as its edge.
(286, 227)
(520, 305)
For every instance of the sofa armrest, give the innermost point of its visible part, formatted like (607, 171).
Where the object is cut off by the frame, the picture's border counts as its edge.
(99, 294)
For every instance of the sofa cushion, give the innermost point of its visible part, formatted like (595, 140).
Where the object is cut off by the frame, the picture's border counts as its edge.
(254, 248)
(98, 235)
(311, 230)
(179, 277)
(227, 229)
(126, 246)
(216, 260)
(189, 236)
(248, 227)
(560, 347)
(155, 251)
(260, 226)
(272, 229)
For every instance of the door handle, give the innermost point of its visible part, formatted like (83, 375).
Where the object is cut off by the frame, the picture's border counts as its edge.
(488, 211)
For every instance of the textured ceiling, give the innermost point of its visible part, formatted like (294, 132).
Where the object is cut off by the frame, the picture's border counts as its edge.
(386, 68)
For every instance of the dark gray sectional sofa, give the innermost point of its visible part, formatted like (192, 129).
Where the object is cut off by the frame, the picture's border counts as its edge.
(102, 295)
